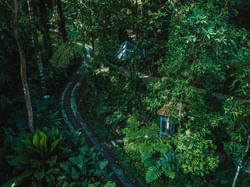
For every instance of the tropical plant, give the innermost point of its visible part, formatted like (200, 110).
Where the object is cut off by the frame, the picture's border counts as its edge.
(155, 155)
(51, 157)
(32, 156)
(116, 118)
(195, 154)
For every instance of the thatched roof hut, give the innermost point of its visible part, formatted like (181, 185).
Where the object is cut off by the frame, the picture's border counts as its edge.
(165, 110)
(170, 108)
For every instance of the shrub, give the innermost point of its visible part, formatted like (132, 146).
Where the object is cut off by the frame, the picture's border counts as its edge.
(195, 154)
(54, 158)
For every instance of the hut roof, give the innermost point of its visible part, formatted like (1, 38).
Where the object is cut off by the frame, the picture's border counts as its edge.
(165, 110)
(128, 50)
(170, 108)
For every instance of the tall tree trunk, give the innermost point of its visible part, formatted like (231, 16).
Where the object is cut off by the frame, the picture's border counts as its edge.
(23, 72)
(61, 20)
(136, 7)
(35, 43)
(45, 28)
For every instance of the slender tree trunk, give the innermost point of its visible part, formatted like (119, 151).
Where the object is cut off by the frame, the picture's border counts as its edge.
(61, 20)
(240, 165)
(23, 72)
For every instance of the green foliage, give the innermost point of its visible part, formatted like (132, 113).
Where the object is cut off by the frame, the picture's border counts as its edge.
(156, 155)
(195, 154)
(199, 49)
(235, 150)
(34, 156)
(46, 114)
(201, 54)
(40, 141)
(51, 157)
(64, 55)
(65, 58)
(38, 149)
(84, 169)
(164, 166)
(153, 173)
(195, 40)
(204, 51)
(115, 119)
(237, 126)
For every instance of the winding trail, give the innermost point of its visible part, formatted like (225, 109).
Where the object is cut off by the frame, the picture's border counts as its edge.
(74, 120)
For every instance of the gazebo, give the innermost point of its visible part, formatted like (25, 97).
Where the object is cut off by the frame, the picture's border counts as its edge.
(128, 51)
(165, 112)
(166, 126)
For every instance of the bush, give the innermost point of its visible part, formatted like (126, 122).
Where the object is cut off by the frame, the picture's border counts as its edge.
(54, 158)
(195, 154)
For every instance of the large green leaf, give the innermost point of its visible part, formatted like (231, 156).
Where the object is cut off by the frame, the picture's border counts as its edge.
(74, 173)
(110, 184)
(40, 141)
(77, 161)
(44, 143)
(36, 139)
(103, 164)
(55, 144)
(170, 174)
(153, 173)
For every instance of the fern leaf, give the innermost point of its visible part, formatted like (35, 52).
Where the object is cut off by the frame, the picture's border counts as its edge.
(153, 173)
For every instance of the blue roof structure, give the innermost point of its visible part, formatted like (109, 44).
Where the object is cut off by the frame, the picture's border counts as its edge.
(127, 51)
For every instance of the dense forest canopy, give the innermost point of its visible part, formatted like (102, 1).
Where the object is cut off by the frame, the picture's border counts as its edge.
(161, 87)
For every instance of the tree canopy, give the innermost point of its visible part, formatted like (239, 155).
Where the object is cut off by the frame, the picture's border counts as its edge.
(188, 59)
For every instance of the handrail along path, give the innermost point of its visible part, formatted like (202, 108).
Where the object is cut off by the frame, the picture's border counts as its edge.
(74, 120)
